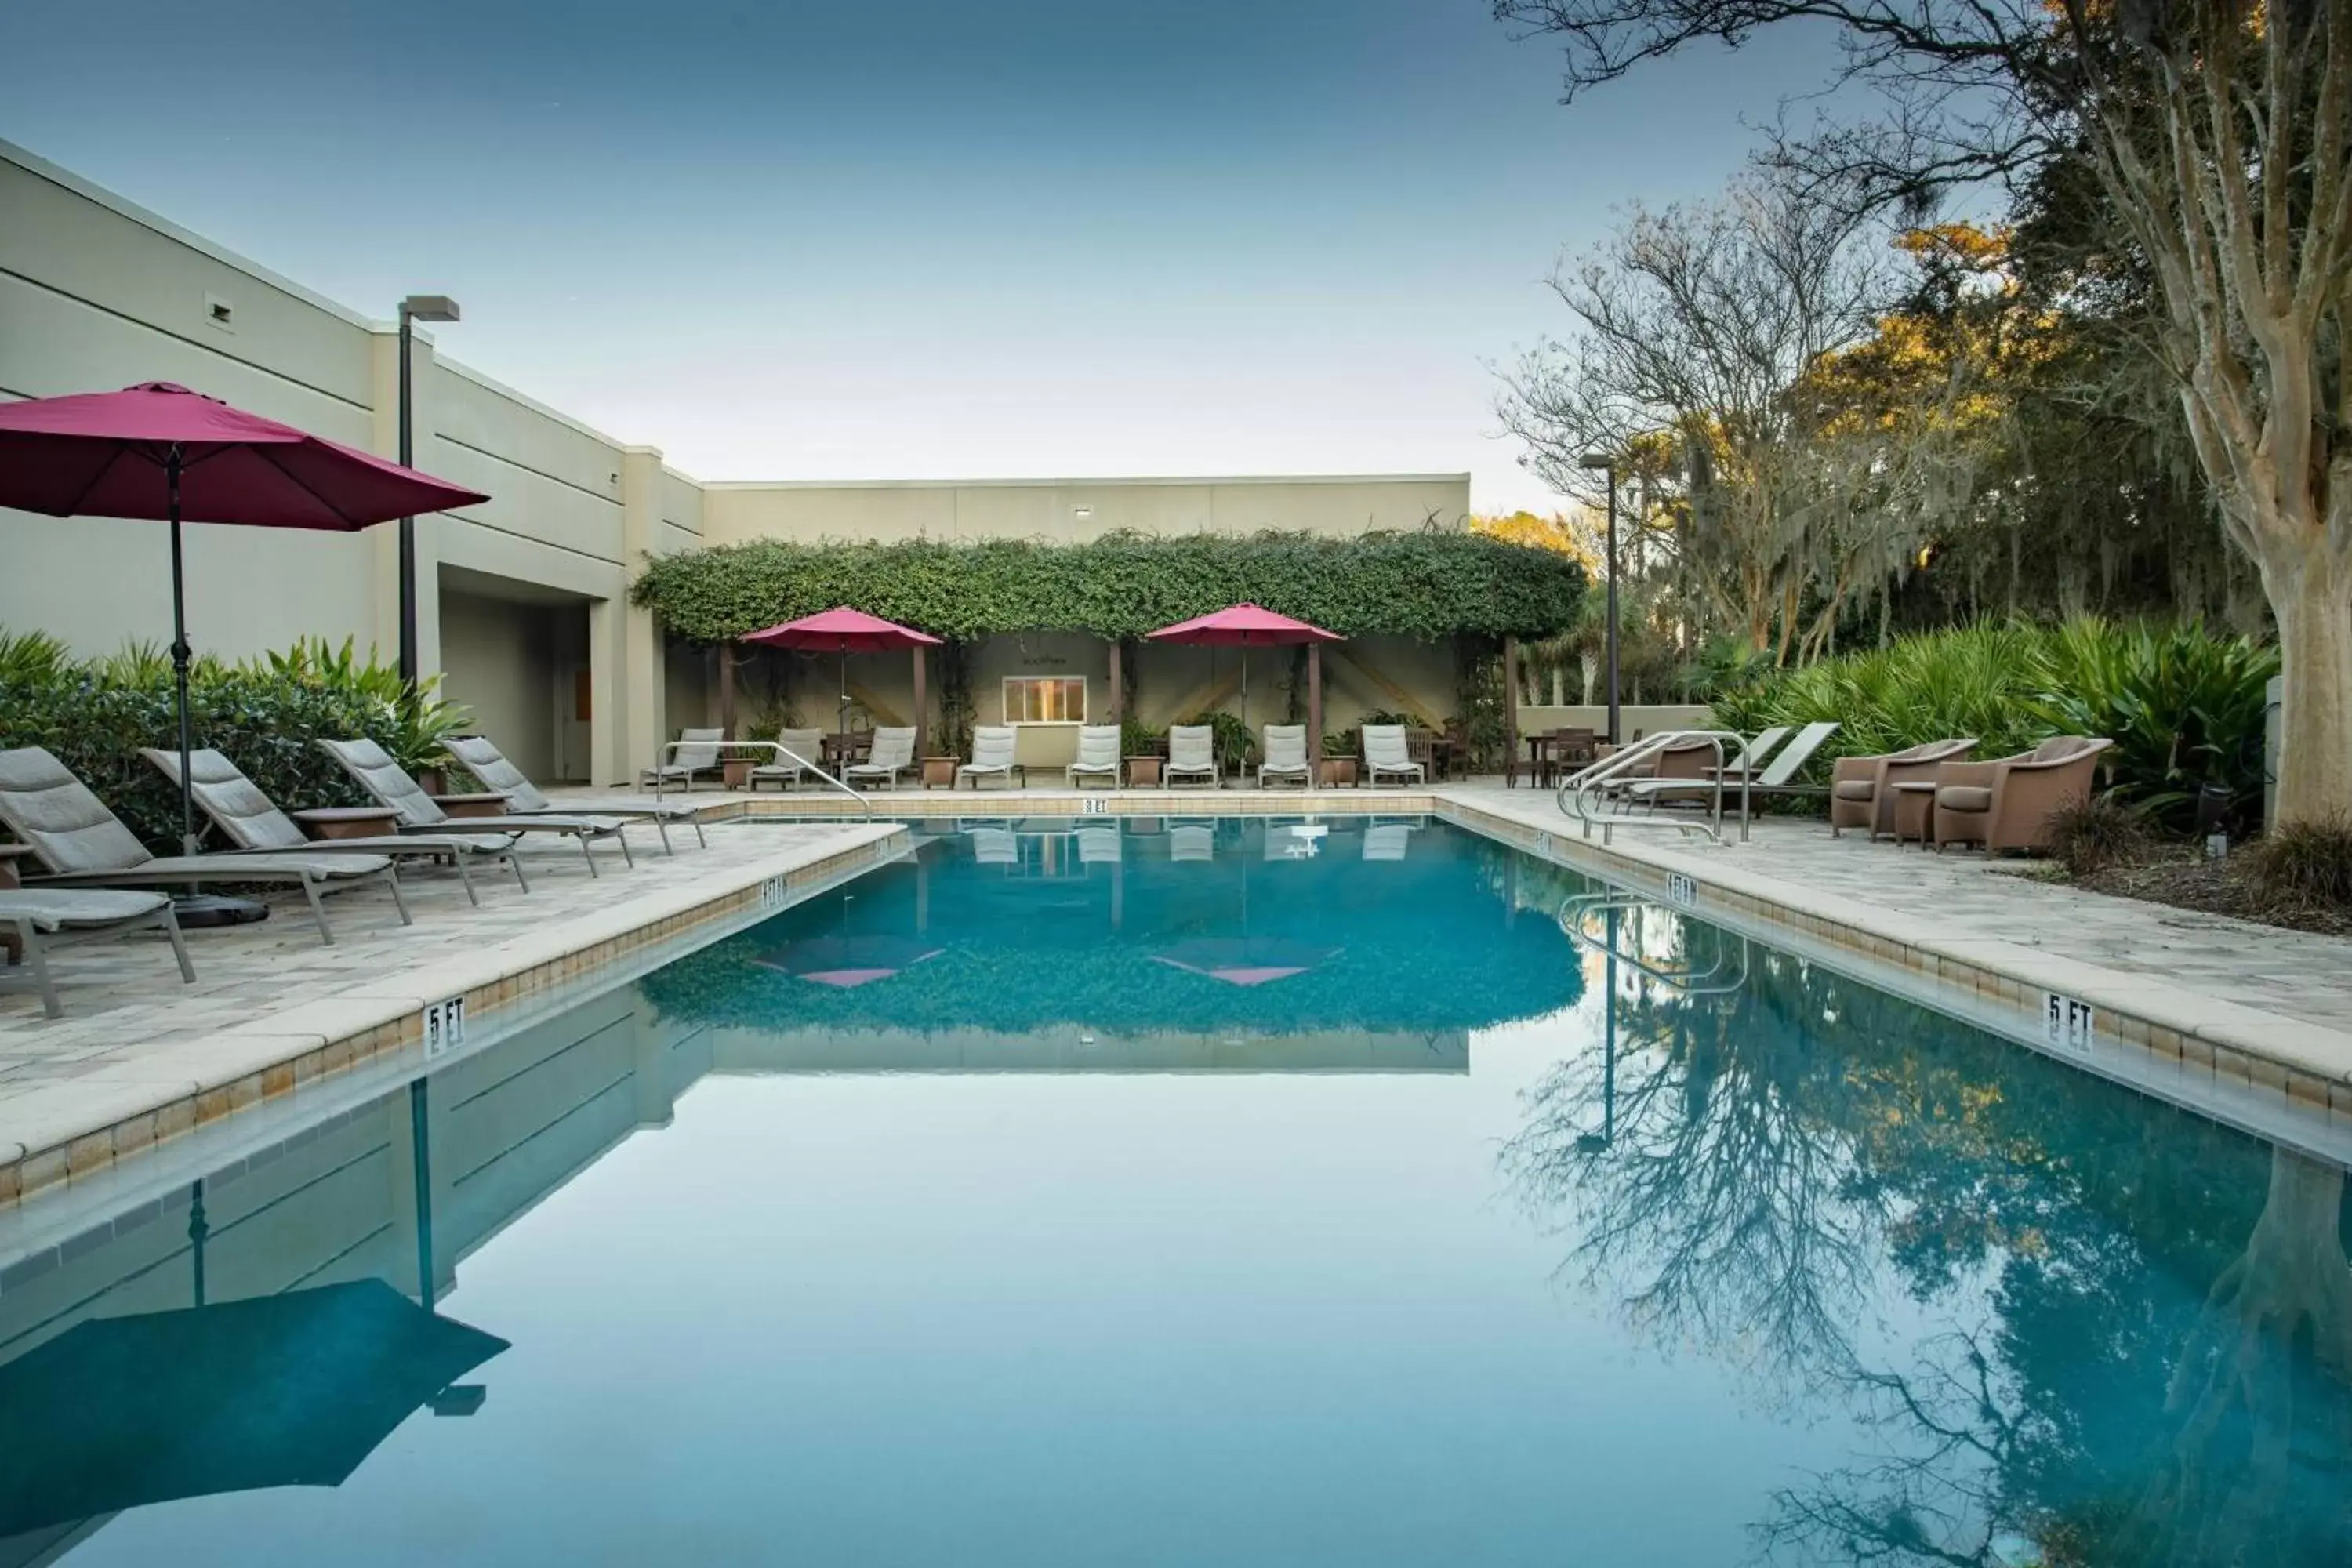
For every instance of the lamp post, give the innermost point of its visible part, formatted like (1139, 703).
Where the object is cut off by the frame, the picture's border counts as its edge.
(1608, 467)
(415, 308)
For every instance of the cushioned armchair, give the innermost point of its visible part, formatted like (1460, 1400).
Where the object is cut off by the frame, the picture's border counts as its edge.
(1861, 789)
(2006, 804)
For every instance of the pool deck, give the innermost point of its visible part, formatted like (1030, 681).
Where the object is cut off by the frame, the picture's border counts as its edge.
(139, 1056)
(139, 1059)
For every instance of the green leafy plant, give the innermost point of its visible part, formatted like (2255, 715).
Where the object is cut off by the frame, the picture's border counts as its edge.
(29, 656)
(1422, 583)
(1137, 739)
(2186, 709)
(266, 715)
(1235, 743)
(2184, 706)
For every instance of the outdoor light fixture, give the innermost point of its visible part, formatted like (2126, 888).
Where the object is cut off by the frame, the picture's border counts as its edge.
(1082, 511)
(415, 308)
(1608, 467)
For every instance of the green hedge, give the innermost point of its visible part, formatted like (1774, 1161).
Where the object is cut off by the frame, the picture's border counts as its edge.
(265, 717)
(1426, 583)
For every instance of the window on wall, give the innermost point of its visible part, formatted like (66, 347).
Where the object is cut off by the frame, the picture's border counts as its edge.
(1046, 699)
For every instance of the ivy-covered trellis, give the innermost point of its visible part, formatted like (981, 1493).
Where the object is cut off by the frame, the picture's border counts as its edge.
(1427, 584)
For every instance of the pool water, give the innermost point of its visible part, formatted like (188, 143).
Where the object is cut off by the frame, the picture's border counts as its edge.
(1160, 1192)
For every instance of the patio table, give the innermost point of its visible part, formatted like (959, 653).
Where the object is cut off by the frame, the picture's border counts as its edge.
(348, 821)
(1915, 811)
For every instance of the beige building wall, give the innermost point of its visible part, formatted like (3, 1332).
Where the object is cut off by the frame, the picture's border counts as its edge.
(1066, 511)
(523, 600)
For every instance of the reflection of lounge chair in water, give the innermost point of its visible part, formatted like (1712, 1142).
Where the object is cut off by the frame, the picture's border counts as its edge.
(995, 847)
(1387, 841)
(1192, 841)
(1097, 846)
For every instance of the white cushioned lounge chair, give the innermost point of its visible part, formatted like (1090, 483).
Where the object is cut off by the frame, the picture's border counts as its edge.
(1387, 753)
(991, 756)
(486, 763)
(70, 830)
(255, 825)
(43, 919)
(1285, 756)
(1098, 756)
(1193, 754)
(893, 756)
(419, 813)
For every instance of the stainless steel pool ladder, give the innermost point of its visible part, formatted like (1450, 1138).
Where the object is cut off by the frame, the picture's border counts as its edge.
(1711, 980)
(669, 752)
(1585, 795)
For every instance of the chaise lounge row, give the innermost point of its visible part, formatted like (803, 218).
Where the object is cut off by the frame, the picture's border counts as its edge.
(83, 847)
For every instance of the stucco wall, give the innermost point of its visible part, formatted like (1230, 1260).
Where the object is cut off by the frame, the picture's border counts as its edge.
(1070, 509)
(497, 659)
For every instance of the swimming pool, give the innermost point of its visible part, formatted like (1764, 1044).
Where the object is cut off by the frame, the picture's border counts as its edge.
(1166, 1191)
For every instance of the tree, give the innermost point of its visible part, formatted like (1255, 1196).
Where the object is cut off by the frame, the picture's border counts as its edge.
(1693, 326)
(2216, 131)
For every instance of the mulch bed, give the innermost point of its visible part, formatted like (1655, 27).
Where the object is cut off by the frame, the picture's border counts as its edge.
(2182, 876)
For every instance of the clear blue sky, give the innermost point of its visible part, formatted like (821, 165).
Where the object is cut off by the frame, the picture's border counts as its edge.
(841, 239)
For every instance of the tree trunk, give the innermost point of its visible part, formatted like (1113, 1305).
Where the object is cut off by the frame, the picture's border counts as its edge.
(2260, 1383)
(2310, 592)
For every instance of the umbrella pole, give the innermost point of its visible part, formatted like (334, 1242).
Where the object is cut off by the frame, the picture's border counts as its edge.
(841, 712)
(180, 654)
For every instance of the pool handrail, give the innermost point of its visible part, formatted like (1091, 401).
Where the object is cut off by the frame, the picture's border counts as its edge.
(669, 750)
(1689, 982)
(1581, 792)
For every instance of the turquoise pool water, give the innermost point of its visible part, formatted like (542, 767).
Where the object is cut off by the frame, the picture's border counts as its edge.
(1166, 1193)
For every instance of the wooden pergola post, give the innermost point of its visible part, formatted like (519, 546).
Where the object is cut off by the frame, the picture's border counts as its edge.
(1118, 681)
(727, 690)
(921, 707)
(1510, 712)
(1314, 713)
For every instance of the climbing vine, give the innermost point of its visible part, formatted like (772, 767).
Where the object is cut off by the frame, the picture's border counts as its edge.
(1426, 583)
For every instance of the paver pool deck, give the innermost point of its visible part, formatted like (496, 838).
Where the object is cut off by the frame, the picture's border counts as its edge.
(139, 1057)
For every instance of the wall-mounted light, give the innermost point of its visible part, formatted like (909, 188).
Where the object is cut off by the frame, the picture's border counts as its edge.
(1082, 511)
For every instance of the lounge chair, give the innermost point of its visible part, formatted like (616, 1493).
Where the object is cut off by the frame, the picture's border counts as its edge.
(47, 918)
(893, 753)
(1099, 746)
(486, 763)
(991, 756)
(807, 745)
(1193, 754)
(1753, 755)
(1861, 789)
(688, 763)
(1286, 755)
(256, 826)
(2006, 804)
(385, 780)
(1779, 777)
(70, 831)
(1192, 841)
(1386, 752)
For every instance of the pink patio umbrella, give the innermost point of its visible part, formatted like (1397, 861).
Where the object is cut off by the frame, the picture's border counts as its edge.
(847, 631)
(1241, 625)
(159, 451)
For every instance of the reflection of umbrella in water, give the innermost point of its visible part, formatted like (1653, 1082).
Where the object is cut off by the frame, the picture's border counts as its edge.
(847, 961)
(1244, 960)
(288, 1390)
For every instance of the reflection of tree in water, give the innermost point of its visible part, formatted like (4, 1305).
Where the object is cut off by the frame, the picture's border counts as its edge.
(1724, 1213)
(2147, 1318)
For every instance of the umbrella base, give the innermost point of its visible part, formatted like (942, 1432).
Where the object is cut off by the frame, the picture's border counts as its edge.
(201, 910)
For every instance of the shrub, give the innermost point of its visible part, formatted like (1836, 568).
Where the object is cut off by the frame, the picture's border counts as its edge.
(264, 716)
(1416, 583)
(2184, 706)
(2097, 832)
(2307, 864)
